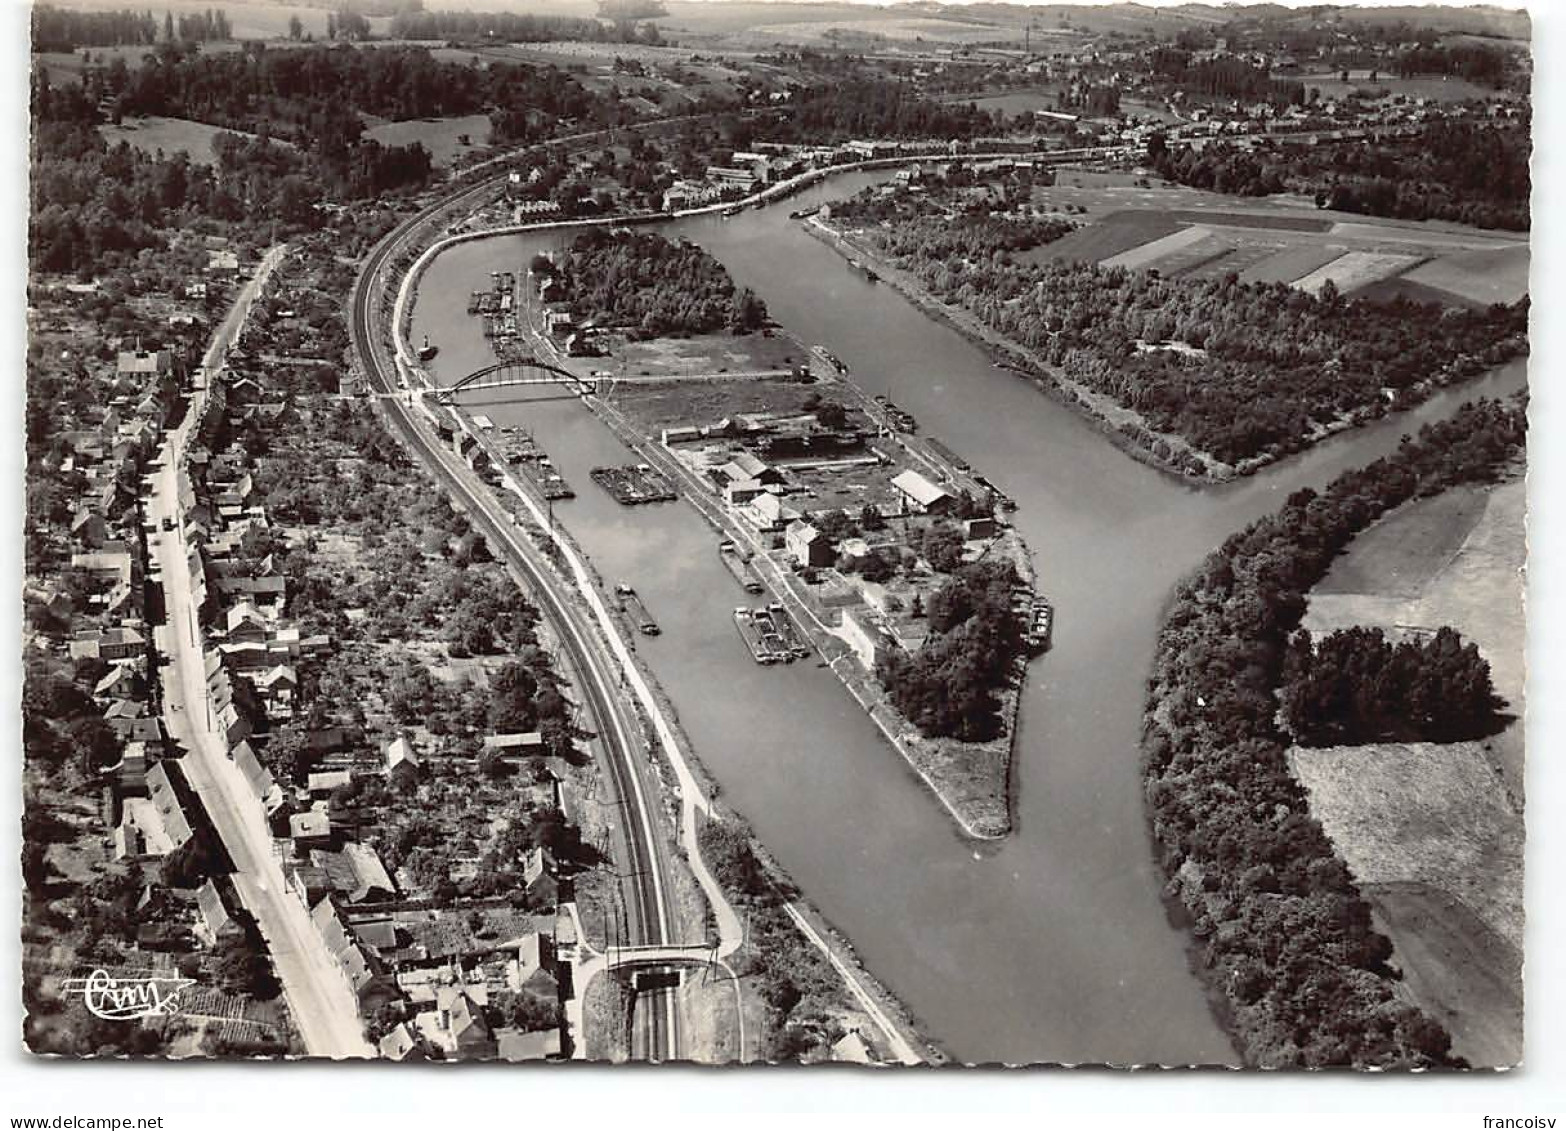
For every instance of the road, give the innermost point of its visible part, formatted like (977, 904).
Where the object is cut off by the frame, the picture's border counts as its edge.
(319, 998)
(641, 850)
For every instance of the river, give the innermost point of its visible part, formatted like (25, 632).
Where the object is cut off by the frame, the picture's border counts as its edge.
(1051, 946)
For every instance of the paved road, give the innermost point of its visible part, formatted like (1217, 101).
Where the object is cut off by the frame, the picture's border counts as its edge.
(319, 998)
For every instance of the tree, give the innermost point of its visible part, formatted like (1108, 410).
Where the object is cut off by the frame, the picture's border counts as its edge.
(295, 28)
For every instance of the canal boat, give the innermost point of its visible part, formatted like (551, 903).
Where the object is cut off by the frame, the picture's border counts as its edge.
(762, 648)
(427, 351)
(787, 631)
(632, 604)
(739, 566)
(1042, 626)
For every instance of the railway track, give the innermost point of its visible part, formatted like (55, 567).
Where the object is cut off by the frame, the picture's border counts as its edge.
(640, 849)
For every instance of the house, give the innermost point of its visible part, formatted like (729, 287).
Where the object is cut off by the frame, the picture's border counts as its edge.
(140, 835)
(868, 639)
(533, 968)
(111, 645)
(517, 1046)
(460, 1018)
(769, 513)
(364, 978)
(920, 496)
(540, 877)
(122, 682)
(401, 1043)
(747, 466)
(517, 744)
(276, 686)
(169, 792)
(851, 1048)
(310, 829)
(742, 491)
(355, 873)
(214, 923)
(806, 545)
(139, 363)
(323, 782)
(400, 752)
(222, 262)
(89, 528)
(257, 776)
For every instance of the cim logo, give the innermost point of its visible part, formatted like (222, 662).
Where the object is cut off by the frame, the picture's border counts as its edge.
(128, 999)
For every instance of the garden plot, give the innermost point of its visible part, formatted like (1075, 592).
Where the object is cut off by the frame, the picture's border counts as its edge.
(1490, 275)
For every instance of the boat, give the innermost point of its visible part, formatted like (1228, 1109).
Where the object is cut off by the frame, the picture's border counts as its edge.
(427, 351)
(1042, 627)
(751, 633)
(831, 359)
(787, 631)
(632, 604)
(739, 566)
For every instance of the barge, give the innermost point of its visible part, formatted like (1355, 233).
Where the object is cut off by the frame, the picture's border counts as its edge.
(1041, 626)
(633, 485)
(787, 632)
(739, 566)
(756, 630)
(632, 604)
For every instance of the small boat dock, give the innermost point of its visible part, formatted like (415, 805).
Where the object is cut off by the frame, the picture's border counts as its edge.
(635, 610)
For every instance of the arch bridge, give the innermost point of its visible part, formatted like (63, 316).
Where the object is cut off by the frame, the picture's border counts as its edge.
(515, 373)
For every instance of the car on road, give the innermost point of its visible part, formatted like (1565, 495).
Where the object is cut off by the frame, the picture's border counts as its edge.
(168, 524)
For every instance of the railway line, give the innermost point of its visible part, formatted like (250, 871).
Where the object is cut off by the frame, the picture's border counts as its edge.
(641, 851)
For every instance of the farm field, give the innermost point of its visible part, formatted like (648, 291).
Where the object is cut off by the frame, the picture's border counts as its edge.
(441, 136)
(1284, 240)
(1431, 87)
(171, 135)
(1455, 967)
(1355, 269)
(1486, 276)
(1433, 832)
(1433, 836)
(1477, 589)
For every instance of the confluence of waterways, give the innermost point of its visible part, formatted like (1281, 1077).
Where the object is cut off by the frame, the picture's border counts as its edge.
(1049, 946)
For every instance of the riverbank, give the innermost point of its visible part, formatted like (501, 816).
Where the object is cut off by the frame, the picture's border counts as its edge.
(1124, 426)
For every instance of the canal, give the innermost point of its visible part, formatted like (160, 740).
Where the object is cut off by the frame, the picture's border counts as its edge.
(1052, 945)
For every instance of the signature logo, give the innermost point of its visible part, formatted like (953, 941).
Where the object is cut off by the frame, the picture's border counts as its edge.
(128, 999)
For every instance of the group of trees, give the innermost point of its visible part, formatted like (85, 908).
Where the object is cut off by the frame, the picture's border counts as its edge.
(1283, 935)
(95, 205)
(63, 29)
(802, 993)
(1355, 686)
(940, 227)
(1226, 77)
(60, 29)
(864, 106)
(1476, 62)
(509, 27)
(1267, 366)
(654, 286)
(1469, 173)
(949, 687)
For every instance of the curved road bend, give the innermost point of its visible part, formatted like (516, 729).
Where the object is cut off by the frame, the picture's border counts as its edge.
(318, 995)
(641, 850)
